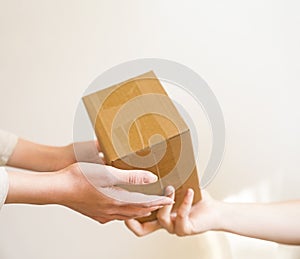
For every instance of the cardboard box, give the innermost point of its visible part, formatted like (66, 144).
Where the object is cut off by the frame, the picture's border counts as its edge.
(138, 127)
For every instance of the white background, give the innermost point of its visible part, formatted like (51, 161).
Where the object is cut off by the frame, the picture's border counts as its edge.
(247, 51)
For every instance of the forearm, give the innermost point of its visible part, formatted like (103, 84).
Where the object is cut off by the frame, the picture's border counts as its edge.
(279, 222)
(35, 188)
(36, 157)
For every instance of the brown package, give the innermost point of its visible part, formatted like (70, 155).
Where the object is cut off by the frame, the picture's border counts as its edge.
(138, 127)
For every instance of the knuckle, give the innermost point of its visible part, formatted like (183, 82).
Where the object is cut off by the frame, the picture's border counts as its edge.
(186, 203)
(115, 203)
(133, 179)
(180, 215)
(104, 221)
(100, 220)
(138, 234)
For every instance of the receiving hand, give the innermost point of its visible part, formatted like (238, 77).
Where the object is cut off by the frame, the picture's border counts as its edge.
(188, 220)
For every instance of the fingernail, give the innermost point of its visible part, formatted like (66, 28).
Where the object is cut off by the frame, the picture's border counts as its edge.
(173, 215)
(169, 190)
(189, 192)
(151, 177)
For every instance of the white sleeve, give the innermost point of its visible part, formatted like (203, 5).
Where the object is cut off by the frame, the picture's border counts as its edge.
(8, 143)
(3, 186)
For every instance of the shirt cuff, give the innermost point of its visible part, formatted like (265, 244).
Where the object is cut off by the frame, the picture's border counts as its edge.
(3, 186)
(8, 142)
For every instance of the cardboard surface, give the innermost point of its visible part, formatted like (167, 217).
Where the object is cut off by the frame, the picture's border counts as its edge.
(138, 127)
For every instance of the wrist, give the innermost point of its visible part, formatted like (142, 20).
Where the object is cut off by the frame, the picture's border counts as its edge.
(35, 188)
(225, 216)
(217, 218)
(70, 189)
(64, 157)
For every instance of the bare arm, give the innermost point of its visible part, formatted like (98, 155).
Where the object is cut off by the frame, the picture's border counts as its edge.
(278, 222)
(73, 187)
(37, 157)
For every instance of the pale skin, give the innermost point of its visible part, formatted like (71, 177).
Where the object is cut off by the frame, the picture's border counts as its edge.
(43, 158)
(63, 182)
(278, 221)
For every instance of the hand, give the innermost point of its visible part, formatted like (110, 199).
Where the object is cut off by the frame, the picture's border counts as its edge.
(92, 192)
(84, 187)
(188, 219)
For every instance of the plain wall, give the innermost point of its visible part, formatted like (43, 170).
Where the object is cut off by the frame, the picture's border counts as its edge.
(247, 51)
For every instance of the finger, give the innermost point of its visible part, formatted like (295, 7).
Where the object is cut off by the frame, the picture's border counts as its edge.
(163, 215)
(98, 175)
(181, 222)
(126, 217)
(142, 212)
(184, 209)
(173, 216)
(138, 200)
(107, 176)
(121, 214)
(133, 212)
(142, 229)
(132, 176)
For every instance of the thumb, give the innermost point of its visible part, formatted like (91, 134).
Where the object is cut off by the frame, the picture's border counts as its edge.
(104, 176)
(132, 176)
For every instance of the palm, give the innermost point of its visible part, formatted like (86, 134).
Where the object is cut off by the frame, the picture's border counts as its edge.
(194, 219)
(188, 219)
(202, 215)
